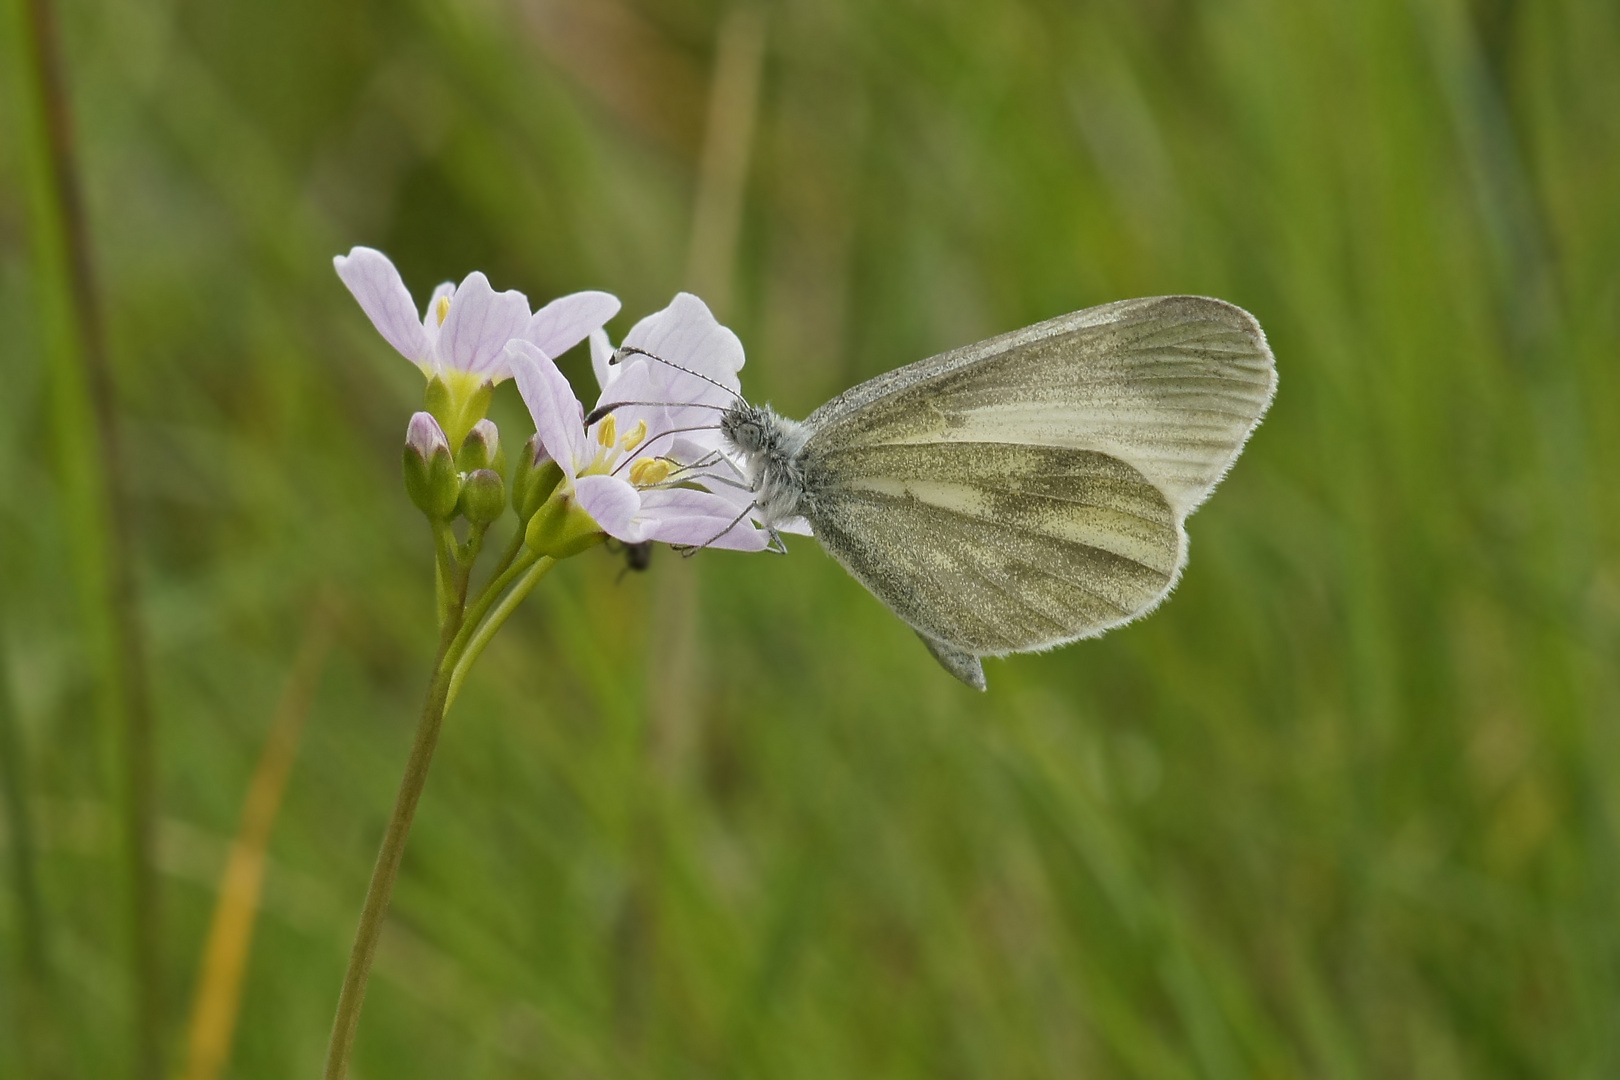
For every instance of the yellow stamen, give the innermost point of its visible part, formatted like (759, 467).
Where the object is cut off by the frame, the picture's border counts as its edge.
(644, 472)
(633, 437)
(444, 309)
(608, 431)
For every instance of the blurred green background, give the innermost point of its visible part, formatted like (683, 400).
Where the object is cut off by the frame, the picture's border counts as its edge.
(1346, 807)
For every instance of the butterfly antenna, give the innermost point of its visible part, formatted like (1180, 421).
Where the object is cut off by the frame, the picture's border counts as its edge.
(602, 410)
(631, 350)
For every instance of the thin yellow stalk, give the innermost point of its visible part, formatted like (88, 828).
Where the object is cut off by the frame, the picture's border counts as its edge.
(220, 975)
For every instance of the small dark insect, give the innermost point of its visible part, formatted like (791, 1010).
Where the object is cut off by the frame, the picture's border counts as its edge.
(637, 557)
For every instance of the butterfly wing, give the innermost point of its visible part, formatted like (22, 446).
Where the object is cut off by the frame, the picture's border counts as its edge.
(1031, 489)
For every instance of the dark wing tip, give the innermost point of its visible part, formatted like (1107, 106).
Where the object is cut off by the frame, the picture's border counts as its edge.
(1214, 310)
(1229, 314)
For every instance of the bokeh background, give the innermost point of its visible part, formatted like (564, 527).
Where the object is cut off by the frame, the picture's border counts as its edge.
(1346, 807)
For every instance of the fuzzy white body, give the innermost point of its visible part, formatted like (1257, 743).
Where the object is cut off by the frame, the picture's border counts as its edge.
(770, 446)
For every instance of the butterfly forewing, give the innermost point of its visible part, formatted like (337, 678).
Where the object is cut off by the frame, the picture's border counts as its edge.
(1170, 385)
(996, 548)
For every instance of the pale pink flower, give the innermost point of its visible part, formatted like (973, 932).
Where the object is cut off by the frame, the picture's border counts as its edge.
(652, 468)
(464, 329)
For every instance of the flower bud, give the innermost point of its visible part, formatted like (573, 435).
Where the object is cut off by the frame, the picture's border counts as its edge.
(483, 496)
(481, 449)
(561, 527)
(534, 478)
(430, 473)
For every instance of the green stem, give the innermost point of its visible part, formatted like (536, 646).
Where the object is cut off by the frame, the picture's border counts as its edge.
(515, 547)
(461, 639)
(493, 590)
(378, 893)
(482, 635)
(467, 554)
(445, 569)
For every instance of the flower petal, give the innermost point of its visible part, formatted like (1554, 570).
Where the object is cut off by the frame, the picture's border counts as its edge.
(685, 516)
(555, 410)
(700, 358)
(424, 435)
(567, 320)
(614, 504)
(687, 333)
(481, 322)
(372, 279)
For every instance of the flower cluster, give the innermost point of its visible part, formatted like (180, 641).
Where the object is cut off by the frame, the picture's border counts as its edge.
(649, 465)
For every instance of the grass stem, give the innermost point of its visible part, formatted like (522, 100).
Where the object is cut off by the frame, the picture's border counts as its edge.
(126, 672)
(35, 1033)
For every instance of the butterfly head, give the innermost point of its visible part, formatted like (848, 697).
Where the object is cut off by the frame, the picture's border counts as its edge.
(752, 429)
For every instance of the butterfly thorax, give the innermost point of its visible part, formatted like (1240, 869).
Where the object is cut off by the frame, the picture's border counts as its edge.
(769, 446)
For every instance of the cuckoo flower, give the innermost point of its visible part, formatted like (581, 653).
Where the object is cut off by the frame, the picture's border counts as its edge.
(650, 466)
(460, 339)
(691, 373)
(695, 370)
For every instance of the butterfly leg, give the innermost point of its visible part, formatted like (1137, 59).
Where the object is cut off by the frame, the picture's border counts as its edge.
(689, 550)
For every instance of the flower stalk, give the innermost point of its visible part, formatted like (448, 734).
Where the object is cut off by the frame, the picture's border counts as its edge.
(462, 637)
(384, 874)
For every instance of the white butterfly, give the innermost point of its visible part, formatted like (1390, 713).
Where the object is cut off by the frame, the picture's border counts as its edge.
(1029, 490)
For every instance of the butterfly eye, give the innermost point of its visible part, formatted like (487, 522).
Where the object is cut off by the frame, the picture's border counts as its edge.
(744, 433)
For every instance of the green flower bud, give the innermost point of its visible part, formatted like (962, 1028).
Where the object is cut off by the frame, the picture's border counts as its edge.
(534, 478)
(561, 527)
(483, 496)
(430, 472)
(481, 449)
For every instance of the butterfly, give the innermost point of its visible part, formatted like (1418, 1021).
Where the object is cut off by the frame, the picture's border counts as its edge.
(1027, 491)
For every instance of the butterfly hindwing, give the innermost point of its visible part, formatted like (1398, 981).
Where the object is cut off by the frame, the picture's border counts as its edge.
(996, 548)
